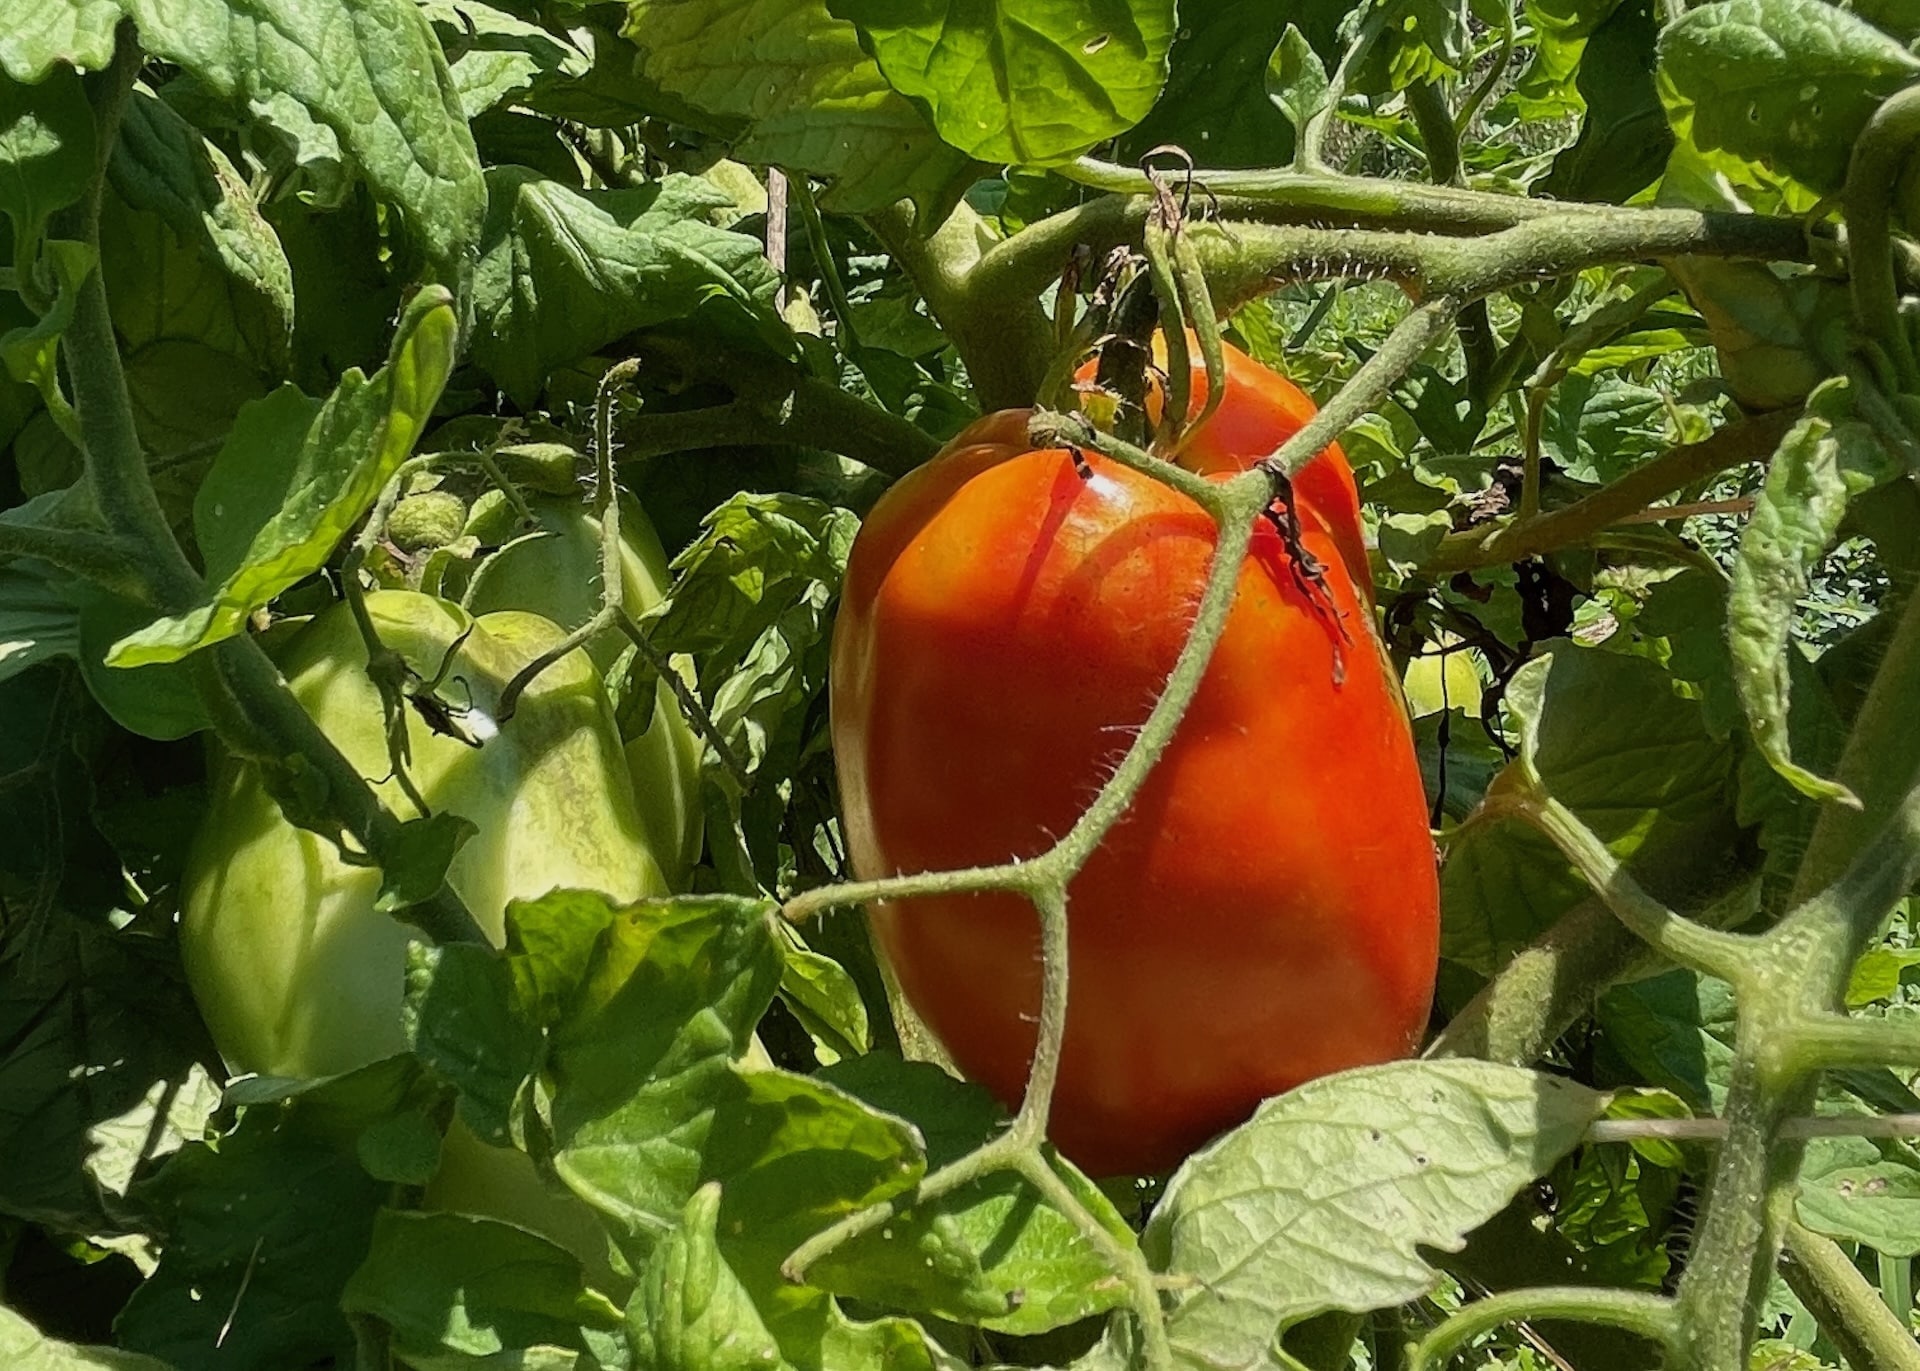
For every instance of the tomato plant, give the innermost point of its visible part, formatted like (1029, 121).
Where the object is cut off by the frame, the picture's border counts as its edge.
(1568, 1014)
(1269, 910)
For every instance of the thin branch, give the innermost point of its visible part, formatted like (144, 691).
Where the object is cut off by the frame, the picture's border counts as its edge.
(1728, 956)
(1734, 445)
(1650, 1316)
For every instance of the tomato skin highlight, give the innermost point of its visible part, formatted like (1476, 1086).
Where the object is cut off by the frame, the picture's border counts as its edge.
(1266, 912)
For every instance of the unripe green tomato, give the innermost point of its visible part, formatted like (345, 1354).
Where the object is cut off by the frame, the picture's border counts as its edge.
(295, 971)
(431, 519)
(554, 571)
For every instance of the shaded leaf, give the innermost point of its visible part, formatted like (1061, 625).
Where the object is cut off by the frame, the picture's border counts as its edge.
(265, 1230)
(46, 153)
(455, 1286)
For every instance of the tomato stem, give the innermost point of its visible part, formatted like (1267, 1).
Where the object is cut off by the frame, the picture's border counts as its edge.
(1650, 1316)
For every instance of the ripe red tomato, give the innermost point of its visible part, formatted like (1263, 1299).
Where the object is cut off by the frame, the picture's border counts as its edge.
(1268, 910)
(1266, 409)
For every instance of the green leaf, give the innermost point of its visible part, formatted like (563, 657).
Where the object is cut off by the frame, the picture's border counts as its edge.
(361, 435)
(653, 1010)
(1319, 1202)
(40, 34)
(564, 272)
(752, 605)
(1788, 83)
(1624, 139)
(1877, 975)
(402, 1149)
(1597, 428)
(265, 1230)
(1766, 330)
(415, 867)
(496, 54)
(1855, 1191)
(1673, 1031)
(369, 72)
(1825, 460)
(1615, 740)
(250, 477)
(1026, 82)
(823, 996)
(690, 1311)
(240, 295)
(37, 622)
(31, 352)
(24, 1348)
(156, 701)
(46, 154)
(462, 1021)
(452, 1286)
(1296, 78)
(1561, 29)
(992, 1253)
(793, 82)
(1215, 101)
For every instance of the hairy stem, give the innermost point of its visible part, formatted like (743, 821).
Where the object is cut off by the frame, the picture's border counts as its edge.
(1650, 1316)
(1850, 1311)
(105, 559)
(1878, 155)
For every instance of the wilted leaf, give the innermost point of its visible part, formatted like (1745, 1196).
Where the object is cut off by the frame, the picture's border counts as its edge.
(1826, 459)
